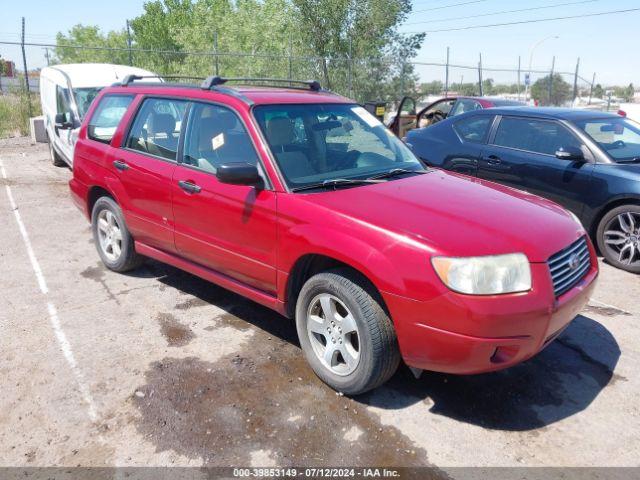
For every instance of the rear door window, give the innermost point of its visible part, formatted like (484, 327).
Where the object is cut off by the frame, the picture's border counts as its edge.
(106, 118)
(465, 105)
(538, 136)
(156, 128)
(474, 129)
(215, 136)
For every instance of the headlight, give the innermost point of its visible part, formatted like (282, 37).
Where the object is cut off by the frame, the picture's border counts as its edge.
(488, 275)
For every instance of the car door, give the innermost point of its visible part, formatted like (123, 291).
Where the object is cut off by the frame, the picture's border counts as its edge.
(405, 119)
(145, 166)
(64, 135)
(522, 154)
(228, 228)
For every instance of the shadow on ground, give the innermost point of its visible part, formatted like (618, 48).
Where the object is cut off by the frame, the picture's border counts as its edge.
(557, 383)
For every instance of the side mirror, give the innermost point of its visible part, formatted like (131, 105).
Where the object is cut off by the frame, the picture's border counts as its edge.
(569, 153)
(238, 173)
(61, 122)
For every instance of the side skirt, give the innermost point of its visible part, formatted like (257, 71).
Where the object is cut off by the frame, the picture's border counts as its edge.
(212, 276)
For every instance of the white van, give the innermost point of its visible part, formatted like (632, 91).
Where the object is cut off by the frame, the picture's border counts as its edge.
(66, 92)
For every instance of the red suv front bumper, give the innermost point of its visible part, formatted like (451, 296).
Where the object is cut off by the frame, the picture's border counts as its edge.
(467, 334)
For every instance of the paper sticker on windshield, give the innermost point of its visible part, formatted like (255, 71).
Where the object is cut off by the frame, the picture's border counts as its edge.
(217, 141)
(366, 116)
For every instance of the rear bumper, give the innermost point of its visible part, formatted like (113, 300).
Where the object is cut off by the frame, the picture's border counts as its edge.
(465, 334)
(79, 195)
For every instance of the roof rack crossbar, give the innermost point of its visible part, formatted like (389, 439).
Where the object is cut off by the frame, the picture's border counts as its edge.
(128, 79)
(214, 81)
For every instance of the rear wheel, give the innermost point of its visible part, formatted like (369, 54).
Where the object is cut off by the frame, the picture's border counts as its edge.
(345, 334)
(113, 240)
(55, 158)
(619, 237)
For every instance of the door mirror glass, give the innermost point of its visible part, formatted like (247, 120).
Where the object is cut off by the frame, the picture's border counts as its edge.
(569, 153)
(62, 122)
(238, 173)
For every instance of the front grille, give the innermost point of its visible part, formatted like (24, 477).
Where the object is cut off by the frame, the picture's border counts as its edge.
(569, 266)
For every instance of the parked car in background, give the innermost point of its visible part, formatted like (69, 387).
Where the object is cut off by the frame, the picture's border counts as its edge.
(66, 92)
(588, 162)
(408, 117)
(302, 201)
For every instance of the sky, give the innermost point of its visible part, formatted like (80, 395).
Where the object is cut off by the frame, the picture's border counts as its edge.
(606, 44)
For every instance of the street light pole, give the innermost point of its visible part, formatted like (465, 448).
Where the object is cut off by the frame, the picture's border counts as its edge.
(531, 51)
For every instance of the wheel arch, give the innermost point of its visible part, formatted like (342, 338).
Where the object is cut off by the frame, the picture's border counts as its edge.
(96, 192)
(311, 264)
(614, 203)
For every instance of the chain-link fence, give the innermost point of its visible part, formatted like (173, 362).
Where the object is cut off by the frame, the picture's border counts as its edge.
(364, 79)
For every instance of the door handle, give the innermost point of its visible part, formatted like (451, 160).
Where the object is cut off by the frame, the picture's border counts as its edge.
(120, 165)
(189, 187)
(493, 159)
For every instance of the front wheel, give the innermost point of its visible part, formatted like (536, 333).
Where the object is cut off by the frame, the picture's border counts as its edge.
(345, 334)
(619, 237)
(55, 158)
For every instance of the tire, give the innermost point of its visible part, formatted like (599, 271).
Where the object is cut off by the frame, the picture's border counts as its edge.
(56, 159)
(377, 350)
(122, 256)
(618, 237)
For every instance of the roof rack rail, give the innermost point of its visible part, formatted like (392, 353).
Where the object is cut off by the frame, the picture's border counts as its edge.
(128, 79)
(214, 81)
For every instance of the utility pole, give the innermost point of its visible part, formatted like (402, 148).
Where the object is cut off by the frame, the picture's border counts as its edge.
(446, 78)
(26, 71)
(129, 44)
(553, 66)
(593, 82)
(575, 80)
(519, 77)
(480, 75)
(290, 58)
(46, 55)
(215, 51)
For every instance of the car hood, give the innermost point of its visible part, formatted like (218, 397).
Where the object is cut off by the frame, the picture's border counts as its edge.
(456, 215)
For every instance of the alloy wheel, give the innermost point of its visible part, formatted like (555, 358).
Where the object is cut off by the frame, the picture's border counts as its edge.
(333, 333)
(109, 235)
(622, 238)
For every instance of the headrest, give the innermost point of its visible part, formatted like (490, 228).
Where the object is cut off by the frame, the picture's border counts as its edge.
(161, 123)
(280, 131)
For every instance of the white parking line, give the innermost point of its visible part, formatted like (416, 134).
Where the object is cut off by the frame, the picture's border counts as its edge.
(63, 342)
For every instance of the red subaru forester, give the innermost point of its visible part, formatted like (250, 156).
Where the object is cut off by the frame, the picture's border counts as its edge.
(302, 201)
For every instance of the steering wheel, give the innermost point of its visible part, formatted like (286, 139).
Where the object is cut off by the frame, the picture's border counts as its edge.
(436, 116)
(618, 144)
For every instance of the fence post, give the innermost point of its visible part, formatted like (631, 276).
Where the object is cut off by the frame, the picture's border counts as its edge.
(129, 44)
(26, 72)
(290, 58)
(553, 66)
(480, 76)
(350, 66)
(575, 80)
(215, 52)
(593, 82)
(519, 77)
(446, 77)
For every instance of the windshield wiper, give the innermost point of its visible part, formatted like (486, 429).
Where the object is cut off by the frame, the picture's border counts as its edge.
(335, 182)
(395, 172)
(630, 160)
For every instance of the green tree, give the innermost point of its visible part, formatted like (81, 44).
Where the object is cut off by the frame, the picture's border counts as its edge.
(90, 36)
(598, 91)
(561, 91)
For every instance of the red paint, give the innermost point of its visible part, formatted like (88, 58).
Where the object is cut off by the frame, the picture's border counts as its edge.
(248, 240)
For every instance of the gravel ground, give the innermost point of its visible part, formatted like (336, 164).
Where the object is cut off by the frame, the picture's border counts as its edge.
(157, 367)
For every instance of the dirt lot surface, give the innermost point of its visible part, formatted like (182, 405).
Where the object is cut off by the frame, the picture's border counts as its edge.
(158, 367)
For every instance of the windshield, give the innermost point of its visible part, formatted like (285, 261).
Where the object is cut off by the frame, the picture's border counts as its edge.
(84, 97)
(619, 137)
(314, 143)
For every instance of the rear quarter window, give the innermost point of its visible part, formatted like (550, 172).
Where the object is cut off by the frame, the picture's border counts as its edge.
(107, 116)
(473, 129)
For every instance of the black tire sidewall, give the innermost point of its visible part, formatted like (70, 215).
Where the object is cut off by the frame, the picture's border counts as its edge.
(358, 380)
(600, 236)
(124, 260)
